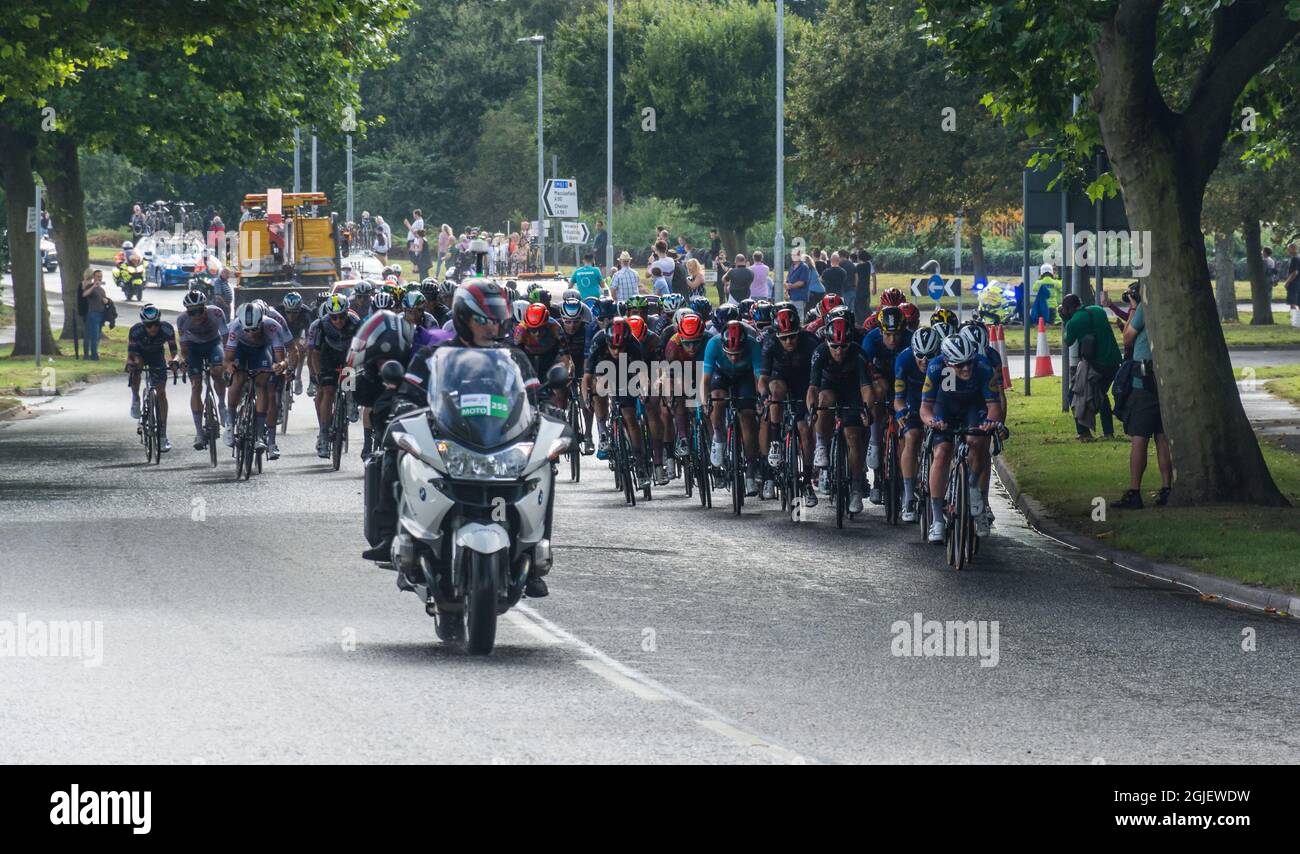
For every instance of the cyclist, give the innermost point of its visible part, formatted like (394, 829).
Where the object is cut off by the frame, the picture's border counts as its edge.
(659, 424)
(840, 376)
(202, 329)
(944, 315)
(576, 319)
(975, 332)
(299, 317)
(784, 375)
(541, 337)
(820, 314)
(959, 391)
(251, 344)
(883, 344)
(614, 373)
(328, 340)
(909, 379)
(732, 362)
(888, 297)
(361, 295)
(144, 349)
(413, 309)
(280, 377)
(683, 357)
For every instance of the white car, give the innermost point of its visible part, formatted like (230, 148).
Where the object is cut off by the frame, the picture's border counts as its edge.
(49, 255)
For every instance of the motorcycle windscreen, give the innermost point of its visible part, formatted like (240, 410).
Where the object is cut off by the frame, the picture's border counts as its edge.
(477, 398)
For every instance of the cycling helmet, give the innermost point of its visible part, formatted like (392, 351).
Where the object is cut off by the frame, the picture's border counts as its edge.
(364, 289)
(571, 309)
(385, 335)
(724, 314)
(839, 332)
(652, 304)
(746, 308)
(912, 314)
(571, 293)
(483, 300)
(250, 315)
(690, 328)
(958, 350)
(637, 302)
(943, 315)
(829, 303)
(336, 305)
(841, 311)
(975, 332)
(891, 319)
(127, 246)
(606, 309)
(701, 306)
(519, 309)
(413, 299)
(787, 323)
(196, 299)
(926, 343)
(672, 302)
(149, 313)
(620, 308)
(537, 293)
(383, 301)
(535, 316)
(891, 296)
(448, 288)
(637, 325)
(618, 333)
(322, 308)
(943, 329)
(762, 314)
(733, 337)
(679, 314)
(292, 301)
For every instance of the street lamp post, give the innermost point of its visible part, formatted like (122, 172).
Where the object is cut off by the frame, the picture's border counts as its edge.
(541, 177)
(609, 140)
(778, 251)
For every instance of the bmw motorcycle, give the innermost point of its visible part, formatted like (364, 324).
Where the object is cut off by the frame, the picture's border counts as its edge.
(476, 471)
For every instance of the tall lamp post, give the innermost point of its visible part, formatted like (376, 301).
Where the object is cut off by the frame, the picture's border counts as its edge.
(609, 140)
(778, 251)
(541, 177)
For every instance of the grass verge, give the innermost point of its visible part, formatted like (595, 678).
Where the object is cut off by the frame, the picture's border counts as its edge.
(1254, 545)
(1283, 381)
(56, 374)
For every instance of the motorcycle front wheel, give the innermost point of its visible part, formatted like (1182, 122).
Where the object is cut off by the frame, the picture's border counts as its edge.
(481, 601)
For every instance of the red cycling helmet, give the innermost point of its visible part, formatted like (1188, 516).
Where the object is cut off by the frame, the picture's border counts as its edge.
(618, 332)
(787, 323)
(913, 315)
(891, 296)
(829, 302)
(891, 319)
(839, 332)
(637, 325)
(536, 316)
(733, 337)
(691, 328)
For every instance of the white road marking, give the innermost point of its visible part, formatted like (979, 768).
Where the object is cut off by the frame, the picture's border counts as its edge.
(532, 629)
(608, 667)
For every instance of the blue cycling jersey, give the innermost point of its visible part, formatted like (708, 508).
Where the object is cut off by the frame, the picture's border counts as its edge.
(908, 381)
(952, 396)
(750, 359)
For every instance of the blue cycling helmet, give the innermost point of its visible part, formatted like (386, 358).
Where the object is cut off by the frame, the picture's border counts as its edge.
(607, 309)
(701, 306)
(672, 302)
(571, 309)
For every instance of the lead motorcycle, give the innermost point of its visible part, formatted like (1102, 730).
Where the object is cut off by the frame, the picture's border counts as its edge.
(476, 470)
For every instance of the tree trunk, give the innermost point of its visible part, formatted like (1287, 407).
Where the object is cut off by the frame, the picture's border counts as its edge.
(733, 239)
(1225, 292)
(1261, 289)
(20, 193)
(977, 249)
(61, 170)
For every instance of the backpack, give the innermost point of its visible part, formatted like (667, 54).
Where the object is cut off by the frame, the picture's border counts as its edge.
(814, 281)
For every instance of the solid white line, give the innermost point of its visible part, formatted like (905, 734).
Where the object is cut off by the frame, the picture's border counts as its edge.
(749, 740)
(618, 679)
(531, 629)
(646, 682)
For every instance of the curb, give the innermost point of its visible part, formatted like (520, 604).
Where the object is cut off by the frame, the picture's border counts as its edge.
(1211, 588)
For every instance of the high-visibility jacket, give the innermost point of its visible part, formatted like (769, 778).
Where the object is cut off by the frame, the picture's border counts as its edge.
(1054, 291)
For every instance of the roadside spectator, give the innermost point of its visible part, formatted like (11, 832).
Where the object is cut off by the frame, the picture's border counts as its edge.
(1293, 283)
(681, 246)
(1141, 414)
(421, 255)
(696, 283)
(445, 239)
(587, 278)
(599, 244)
(834, 279)
(223, 295)
(819, 260)
(659, 284)
(715, 246)
(678, 279)
(851, 277)
(689, 253)
(797, 281)
(762, 286)
(92, 291)
(1089, 327)
(867, 283)
(739, 280)
(245, 214)
(381, 242)
(137, 223)
(1270, 267)
(413, 226)
(217, 236)
(626, 283)
(721, 266)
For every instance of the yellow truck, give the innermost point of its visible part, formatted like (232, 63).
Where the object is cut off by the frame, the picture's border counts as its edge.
(288, 243)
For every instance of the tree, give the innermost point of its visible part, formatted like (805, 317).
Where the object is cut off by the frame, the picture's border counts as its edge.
(1164, 130)
(882, 131)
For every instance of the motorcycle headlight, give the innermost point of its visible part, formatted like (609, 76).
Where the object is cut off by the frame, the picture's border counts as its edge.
(464, 463)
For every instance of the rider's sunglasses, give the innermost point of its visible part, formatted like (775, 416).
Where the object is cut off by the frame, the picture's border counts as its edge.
(194, 310)
(485, 321)
(152, 324)
(837, 346)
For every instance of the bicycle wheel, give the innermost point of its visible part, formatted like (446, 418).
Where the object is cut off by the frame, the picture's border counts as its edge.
(737, 470)
(647, 457)
(340, 430)
(703, 479)
(575, 450)
(959, 525)
(794, 482)
(894, 481)
(286, 403)
(924, 515)
(839, 478)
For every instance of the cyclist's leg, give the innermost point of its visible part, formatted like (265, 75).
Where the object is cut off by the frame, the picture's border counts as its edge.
(770, 426)
(910, 460)
(942, 446)
(825, 423)
(627, 406)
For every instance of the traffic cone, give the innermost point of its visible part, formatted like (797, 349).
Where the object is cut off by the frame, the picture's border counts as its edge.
(1000, 343)
(1043, 354)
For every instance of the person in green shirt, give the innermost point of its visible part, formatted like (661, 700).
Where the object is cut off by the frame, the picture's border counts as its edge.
(587, 278)
(1080, 322)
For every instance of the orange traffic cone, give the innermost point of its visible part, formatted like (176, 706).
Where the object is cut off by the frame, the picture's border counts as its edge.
(1043, 354)
(1000, 344)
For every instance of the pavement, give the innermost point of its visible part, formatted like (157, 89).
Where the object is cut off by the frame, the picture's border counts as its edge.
(240, 625)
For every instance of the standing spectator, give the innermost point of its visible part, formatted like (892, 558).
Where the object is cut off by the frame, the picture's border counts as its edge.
(689, 253)
(762, 286)
(834, 279)
(1141, 414)
(137, 223)
(659, 284)
(217, 236)
(659, 257)
(695, 283)
(1293, 283)
(587, 278)
(739, 280)
(715, 246)
(681, 246)
(381, 241)
(245, 214)
(851, 285)
(1047, 297)
(223, 295)
(819, 260)
(1089, 327)
(600, 244)
(421, 255)
(92, 291)
(866, 283)
(721, 267)
(445, 239)
(413, 226)
(1270, 267)
(678, 277)
(625, 283)
(797, 281)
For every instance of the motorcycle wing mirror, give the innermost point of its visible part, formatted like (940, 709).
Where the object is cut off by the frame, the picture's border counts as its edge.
(557, 376)
(392, 372)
